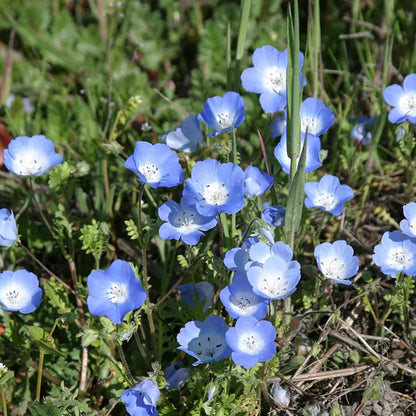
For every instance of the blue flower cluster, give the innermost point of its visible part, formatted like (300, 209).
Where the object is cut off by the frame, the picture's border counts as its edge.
(29, 157)
(397, 251)
(263, 270)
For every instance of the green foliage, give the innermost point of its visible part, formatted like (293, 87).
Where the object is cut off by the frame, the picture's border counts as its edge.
(95, 238)
(68, 404)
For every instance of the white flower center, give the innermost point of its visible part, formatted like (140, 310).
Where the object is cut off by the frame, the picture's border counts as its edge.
(208, 347)
(243, 304)
(117, 293)
(408, 104)
(216, 194)
(29, 163)
(400, 258)
(250, 344)
(151, 173)
(275, 80)
(185, 222)
(333, 268)
(274, 285)
(326, 200)
(14, 297)
(225, 119)
(311, 123)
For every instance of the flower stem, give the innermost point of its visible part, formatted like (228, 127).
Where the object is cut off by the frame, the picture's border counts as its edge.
(40, 370)
(125, 365)
(144, 271)
(3, 399)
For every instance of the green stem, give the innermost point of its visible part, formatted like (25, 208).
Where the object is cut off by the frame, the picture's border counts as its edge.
(125, 365)
(3, 399)
(40, 370)
(235, 161)
(144, 271)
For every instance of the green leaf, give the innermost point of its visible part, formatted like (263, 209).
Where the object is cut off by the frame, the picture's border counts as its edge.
(294, 204)
(47, 408)
(132, 230)
(6, 376)
(45, 343)
(182, 261)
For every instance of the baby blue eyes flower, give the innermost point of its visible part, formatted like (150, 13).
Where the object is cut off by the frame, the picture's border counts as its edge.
(115, 291)
(215, 187)
(268, 77)
(362, 131)
(223, 113)
(403, 99)
(336, 261)
(31, 156)
(251, 341)
(256, 183)
(156, 165)
(204, 291)
(408, 225)
(186, 137)
(240, 300)
(19, 291)
(315, 117)
(141, 400)
(205, 340)
(8, 228)
(277, 126)
(313, 160)
(176, 376)
(396, 254)
(273, 274)
(183, 221)
(327, 194)
(273, 214)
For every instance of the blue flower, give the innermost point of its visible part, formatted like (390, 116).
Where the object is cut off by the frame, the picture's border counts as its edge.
(272, 273)
(19, 291)
(328, 194)
(278, 126)
(216, 187)
(260, 252)
(315, 117)
(186, 137)
(176, 376)
(31, 156)
(273, 214)
(362, 131)
(408, 225)
(156, 165)
(115, 291)
(8, 228)
(313, 160)
(204, 291)
(403, 99)
(396, 254)
(251, 341)
(223, 113)
(183, 221)
(141, 399)
(268, 77)
(236, 259)
(256, 183)
(240, 300)
(336, 261)
(205, 341)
